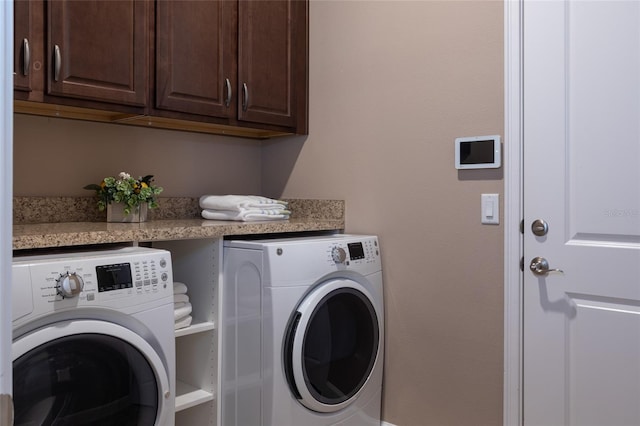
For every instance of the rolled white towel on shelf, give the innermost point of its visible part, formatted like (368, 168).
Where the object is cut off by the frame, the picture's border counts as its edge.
(179, 288)
(238, 202)
(184, 322)
(181, 310)
(177, 298)
(246, 215)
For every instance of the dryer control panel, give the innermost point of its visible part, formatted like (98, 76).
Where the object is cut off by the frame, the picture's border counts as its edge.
(361, 251)
(291, 261)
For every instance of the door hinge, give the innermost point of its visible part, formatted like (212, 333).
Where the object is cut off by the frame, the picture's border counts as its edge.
(522, 264)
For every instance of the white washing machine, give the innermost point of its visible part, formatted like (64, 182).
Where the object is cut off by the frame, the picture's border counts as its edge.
(93, 338)
(302, 332)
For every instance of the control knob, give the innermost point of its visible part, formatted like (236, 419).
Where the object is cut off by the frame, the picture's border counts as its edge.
(69, 284)
(338, 254)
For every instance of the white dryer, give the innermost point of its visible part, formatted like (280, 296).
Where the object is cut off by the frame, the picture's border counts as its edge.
(302, 331)
(93, 338)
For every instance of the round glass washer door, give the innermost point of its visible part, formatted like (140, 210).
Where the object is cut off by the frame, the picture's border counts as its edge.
(331, 345)
(90, 373)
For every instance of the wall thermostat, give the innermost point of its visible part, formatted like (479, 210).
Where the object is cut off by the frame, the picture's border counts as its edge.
(478, 152)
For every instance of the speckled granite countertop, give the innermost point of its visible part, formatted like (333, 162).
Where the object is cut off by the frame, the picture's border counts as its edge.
(41, 222)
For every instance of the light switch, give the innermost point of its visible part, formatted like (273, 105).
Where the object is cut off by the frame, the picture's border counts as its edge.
(490, 208)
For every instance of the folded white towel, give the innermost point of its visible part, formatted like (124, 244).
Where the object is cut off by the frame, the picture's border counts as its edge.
(179, 288)
(177, 298)
(179, 305)
(237, 202)
(184, 322)
(182, 311)
(246, 215)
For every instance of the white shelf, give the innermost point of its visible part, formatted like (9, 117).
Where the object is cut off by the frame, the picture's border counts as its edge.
(196, 328)
(197, 263)
(188, 396)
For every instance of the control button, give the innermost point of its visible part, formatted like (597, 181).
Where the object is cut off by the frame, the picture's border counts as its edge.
(338, 254)
(163, 263)
(90, 297)
(69, 285)
(164, 276)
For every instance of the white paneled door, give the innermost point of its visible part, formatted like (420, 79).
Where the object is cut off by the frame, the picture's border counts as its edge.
(581, 355)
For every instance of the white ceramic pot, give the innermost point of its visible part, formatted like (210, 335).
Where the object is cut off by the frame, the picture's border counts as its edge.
(115, 213)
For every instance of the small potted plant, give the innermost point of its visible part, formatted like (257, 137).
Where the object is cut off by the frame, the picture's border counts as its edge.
(125, 198)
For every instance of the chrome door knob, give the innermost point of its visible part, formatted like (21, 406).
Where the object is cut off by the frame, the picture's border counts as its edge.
(540, 266)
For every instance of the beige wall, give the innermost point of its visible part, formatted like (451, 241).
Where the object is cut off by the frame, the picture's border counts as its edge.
(58, 157)
(392, 84)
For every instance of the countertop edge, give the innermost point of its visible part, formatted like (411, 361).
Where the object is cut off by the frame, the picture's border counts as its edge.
(52, 235)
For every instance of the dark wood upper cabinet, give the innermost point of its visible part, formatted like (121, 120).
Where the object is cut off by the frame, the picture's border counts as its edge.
(27, 49)
(195, 56)
(272, 62)
(245, 61)
(98, 50)
(222, 66)
(22, 41)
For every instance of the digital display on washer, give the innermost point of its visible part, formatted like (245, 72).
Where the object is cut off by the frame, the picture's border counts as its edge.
(114, 277)
(356, 251)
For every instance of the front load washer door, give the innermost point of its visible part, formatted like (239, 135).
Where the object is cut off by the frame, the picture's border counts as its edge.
(331, 345)
(90, 373)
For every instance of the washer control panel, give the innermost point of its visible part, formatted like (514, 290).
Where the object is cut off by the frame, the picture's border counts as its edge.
(117, 279)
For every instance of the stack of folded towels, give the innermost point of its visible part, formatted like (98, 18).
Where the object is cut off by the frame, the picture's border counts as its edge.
(181, 306)
(243, 208)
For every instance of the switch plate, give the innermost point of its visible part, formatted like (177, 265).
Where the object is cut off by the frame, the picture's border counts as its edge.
(490, 209)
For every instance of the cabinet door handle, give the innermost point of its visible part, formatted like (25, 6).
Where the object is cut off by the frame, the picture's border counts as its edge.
(26, 57)
(227, 100)
(245, 96)
(57, 62)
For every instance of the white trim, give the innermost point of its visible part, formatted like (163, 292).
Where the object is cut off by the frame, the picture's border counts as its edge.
(513, 252)
(6, 192)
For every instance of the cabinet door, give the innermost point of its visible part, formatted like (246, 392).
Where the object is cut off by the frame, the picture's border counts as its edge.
(196, 56)
(27, 49)
(273, 62)
(98, 50)
(21, 46)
